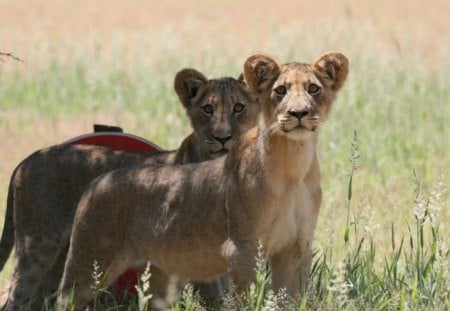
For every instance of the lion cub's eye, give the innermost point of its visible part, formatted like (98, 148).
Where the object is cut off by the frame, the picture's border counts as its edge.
(208, 110)
(314, 89)
(238, 108)
(280, 91)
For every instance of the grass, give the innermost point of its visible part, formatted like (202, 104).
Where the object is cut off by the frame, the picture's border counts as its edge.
(385, 246)
(411, 274)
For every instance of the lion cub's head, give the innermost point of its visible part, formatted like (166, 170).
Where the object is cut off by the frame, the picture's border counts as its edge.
(302, 95)
(220, 110)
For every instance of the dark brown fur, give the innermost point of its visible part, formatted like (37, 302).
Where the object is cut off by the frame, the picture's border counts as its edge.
(45, 188)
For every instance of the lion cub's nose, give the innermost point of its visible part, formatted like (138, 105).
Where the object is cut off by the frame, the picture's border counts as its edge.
(223, 138)
(300, 113)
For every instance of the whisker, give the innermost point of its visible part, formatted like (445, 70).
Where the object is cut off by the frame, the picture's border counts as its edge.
(209, 142)
(274, 127)
(312, 118)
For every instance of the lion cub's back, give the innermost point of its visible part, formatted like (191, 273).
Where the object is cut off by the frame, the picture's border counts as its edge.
(158, 195)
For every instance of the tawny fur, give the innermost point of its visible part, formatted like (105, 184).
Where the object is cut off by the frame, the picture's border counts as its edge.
(201, 220)
(46, 187)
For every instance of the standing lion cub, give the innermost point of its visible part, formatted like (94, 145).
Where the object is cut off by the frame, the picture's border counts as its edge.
(46, 187)
(202, 220)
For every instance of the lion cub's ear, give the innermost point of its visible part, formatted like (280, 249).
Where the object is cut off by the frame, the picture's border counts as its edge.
(333, 67)
(187, 83)
(260, 71)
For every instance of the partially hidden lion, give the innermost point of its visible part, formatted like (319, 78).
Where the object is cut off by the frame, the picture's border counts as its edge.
(45, 188)
(202, 220)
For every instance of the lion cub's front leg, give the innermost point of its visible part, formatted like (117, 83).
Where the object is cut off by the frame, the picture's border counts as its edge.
(285, 270)
(241, 261)
(306, 237)
(291, 266)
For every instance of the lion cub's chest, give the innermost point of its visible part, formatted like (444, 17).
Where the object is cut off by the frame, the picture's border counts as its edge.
(289, 214)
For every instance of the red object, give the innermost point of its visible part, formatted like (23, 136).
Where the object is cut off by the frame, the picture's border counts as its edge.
(115, 141)
(124, 286)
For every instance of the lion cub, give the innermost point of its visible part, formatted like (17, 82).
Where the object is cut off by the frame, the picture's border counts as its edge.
(45, 188)
(201, 220)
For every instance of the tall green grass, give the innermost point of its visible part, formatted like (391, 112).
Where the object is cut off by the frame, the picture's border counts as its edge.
(413, 273)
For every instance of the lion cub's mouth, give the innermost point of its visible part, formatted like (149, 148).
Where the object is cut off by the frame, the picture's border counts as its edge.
(306, 127)
(290, 124)
(219, 153)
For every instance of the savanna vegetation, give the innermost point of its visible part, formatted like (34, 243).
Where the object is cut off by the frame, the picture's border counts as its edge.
(382, 238)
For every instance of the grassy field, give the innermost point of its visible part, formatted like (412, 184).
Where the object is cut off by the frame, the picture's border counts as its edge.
(114, 62)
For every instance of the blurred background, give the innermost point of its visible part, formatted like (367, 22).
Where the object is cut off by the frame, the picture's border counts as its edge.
(114, 62)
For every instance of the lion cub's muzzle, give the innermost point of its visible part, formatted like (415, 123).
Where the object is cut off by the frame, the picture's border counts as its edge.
(222, 145)
(299, 114)
(219, 153)
(299, 119)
